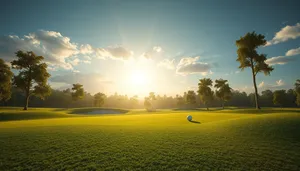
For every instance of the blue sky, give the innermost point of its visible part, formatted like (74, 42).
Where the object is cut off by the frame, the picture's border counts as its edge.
(162, 46)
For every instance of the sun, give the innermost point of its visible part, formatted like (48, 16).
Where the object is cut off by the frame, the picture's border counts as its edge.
(138, 78)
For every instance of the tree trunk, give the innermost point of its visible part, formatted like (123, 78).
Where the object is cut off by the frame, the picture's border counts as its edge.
(26, 101)
(255, 87)
(223, 104)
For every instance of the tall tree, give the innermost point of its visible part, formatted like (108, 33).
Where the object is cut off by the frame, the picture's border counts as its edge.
(223, 91)
(297, 90)
(77, 92)
(33, 76)
(279, 97)
(5, 81)
(99, 99)
(191, 97)
(248, 57)
(205, 92)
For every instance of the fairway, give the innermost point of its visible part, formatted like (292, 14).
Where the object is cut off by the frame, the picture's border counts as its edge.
(164, 140)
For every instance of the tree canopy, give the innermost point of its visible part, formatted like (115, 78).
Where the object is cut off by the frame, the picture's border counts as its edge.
(223, 91)
(33, 76)
(5, 81)
(191, 97)
(204, 91)
(99, 99)
(248, 57)
(77, 92)
(279, 97)
(297, 90)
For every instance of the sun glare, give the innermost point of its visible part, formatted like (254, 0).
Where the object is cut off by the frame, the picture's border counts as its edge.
(138, 78)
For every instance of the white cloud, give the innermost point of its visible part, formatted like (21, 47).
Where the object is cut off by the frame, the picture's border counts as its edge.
(87, 80)
(293, 52)
(86, 62)
(119, 52)
(167, 63)
(285, 34)
(279, 60)
(58, 49)
(189, 65)
(279, 83)
(52, 45)
(157, 48)
(150, 53)
(86, 49)
(75, 62)
(262, 84)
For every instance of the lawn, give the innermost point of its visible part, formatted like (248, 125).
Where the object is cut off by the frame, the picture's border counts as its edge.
(232, 139)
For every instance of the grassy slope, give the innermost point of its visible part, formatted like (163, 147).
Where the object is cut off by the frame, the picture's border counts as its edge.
(223, 140)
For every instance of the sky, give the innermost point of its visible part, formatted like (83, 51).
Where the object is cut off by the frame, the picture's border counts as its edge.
(134, 47)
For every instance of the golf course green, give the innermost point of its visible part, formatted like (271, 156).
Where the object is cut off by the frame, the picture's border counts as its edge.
(230, 139)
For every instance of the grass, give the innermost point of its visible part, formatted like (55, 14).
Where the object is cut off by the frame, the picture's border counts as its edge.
(233, 139)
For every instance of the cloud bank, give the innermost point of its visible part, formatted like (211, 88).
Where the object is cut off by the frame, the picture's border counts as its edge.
(285, 34)
(191, 65)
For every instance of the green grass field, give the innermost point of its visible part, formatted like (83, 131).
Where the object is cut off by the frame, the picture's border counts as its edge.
(232, 139)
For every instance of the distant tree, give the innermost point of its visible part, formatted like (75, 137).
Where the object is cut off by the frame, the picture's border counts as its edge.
(180, 101)
(248, 57)
(291, 98)
(279, 97)
(99, 99)
(68, 91)
(151, 99)
(267, 98)
(33, 76)
(5, 81)
(297, 90)
(152, 96)
(134, 101)
(223, 91)
(77, 92)
(191, 97)
(205, 92)
(147, 104)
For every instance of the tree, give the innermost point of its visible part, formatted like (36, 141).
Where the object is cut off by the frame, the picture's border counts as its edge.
(267, 98)
(204, 91)
(291, 98)
(5, 81)
(33, 76)
(99, 99)
(279, 97)
(134, 101)
(147, 104)
(77, 92)
(151, 99)
(248, 57)
(297, 90)
(191, 97)
(223, 91)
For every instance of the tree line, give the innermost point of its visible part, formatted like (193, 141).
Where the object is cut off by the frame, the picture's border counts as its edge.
(30, 85)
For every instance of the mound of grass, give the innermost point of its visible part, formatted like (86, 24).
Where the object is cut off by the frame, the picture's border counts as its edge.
(9, 114)
(165, 141)
(87, 110)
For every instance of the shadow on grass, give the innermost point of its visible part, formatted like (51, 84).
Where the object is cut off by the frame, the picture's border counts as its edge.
(195, 122)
